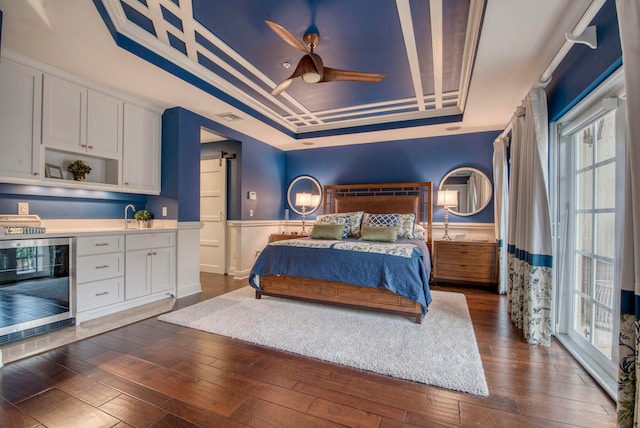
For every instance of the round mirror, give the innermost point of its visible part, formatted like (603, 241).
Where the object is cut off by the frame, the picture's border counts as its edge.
(304, 195)
(473, 190)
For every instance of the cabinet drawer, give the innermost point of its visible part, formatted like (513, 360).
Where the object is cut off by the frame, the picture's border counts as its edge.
(96, 294)
(466, 272)
(100, 266)
(100, 244)
(149, 240)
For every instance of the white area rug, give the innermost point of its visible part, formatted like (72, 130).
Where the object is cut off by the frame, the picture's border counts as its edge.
(441, 351)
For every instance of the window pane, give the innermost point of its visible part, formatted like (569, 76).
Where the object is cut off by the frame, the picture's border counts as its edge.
(584, 232)
(584, 190)
(605, 234)
(582, 321)
(606, 141)
(602, 334)
(604, 284)
(606, 186)
(584, 148)
(583, 274)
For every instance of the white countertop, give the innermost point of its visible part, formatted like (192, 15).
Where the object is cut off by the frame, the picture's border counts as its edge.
(82, 227)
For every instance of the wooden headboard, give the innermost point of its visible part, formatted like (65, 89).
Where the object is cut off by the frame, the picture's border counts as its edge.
(383, 199)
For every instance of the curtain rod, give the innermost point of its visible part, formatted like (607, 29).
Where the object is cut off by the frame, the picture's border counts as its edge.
(579, 29)
(571, 39)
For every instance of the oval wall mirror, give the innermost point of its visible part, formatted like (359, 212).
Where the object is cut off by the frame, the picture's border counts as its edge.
(304, 195)
(473, 188)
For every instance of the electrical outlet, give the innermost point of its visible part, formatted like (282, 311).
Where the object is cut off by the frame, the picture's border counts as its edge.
(23, 208)
(250, 213)
(164, 211)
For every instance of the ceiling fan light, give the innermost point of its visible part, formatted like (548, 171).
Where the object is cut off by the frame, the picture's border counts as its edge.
(311, 77)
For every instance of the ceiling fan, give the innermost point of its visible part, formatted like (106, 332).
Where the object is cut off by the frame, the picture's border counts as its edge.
(310, 66)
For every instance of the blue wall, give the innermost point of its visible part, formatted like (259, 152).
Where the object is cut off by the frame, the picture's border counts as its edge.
(61, 203)
(260, 166)
(423, 159)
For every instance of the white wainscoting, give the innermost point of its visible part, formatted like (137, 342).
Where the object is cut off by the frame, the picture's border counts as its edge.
(247, 238)
(188, 258)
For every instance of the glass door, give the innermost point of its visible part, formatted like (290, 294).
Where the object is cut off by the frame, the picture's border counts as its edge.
(589, 160)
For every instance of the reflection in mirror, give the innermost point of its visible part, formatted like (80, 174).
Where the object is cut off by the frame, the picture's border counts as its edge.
(473, 187)
(304, 195)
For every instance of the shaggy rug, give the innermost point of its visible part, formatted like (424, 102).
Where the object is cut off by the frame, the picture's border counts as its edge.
(442, 351)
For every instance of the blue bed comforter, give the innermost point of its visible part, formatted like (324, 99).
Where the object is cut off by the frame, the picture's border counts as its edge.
(407, 275)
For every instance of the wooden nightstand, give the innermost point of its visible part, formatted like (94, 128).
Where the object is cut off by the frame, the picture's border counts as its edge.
(282, 236)
(465, 261)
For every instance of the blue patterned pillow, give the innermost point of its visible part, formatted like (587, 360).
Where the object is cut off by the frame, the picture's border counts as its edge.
(335, 219)
(380, 220)
(406, 223)
(352, 220)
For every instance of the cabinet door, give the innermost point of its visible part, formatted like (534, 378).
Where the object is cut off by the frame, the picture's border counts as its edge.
(137, 273)
(162, 270)
(141, 156)
(64, 113)
(104, 125)
(20, 119)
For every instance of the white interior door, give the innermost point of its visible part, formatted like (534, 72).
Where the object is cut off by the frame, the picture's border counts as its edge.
(213, 208)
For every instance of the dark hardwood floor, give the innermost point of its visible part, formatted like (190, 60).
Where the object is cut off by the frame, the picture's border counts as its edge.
(156, 374)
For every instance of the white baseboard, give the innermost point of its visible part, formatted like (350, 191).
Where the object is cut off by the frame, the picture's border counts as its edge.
(188, 290)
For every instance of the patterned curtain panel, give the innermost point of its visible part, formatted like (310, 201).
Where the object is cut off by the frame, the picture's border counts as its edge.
(529, 224)
(501, 208)
(628, 395)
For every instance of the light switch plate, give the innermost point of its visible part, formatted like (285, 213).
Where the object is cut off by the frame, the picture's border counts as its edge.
(23, 208)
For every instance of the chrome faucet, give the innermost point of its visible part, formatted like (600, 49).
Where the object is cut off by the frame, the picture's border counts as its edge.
(126, 209)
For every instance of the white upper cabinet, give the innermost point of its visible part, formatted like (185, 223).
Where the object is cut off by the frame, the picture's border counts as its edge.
(104, 124)
(20, 121)
(47, 121)
(81, 120)
(141, 158)
(64, 114)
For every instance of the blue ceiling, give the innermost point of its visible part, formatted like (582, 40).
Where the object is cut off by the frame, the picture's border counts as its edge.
(426, 49)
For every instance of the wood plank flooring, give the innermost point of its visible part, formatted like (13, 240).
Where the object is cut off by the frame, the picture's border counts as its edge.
(154, 374)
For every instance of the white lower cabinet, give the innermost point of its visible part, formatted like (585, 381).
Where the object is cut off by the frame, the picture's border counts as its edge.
(150, 261)
(99, 272)
(116, 272)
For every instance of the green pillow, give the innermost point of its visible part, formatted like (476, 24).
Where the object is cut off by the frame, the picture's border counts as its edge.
(379, 233)
(327, 231)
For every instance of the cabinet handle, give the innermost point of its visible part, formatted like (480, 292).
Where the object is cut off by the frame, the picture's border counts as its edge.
(154, 253)
(102, 267)
(126, 184)
(104, 293)
(101, 244)
(90, 147)
(83, 146)
(149, 253)
(37, 174)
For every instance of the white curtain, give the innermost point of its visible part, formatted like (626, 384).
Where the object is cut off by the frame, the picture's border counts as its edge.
(501, 207)
(629, 344)
(529, 224)
(472, 193)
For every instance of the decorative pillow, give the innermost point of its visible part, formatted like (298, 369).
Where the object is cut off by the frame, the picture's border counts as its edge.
(381, 220)
(379, 233)
(328, 231)
(333, 219)
(406, 223)
(352, 220)
(418, 232)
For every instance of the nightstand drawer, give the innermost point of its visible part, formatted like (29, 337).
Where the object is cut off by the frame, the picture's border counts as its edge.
(465, 261)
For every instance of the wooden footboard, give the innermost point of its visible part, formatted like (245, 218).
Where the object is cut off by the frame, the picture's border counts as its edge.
(338, 293)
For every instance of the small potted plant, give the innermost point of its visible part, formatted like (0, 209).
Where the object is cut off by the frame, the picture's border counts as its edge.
(143, 217)
(79, 169)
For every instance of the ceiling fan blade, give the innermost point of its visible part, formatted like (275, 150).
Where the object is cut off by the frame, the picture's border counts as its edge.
(282, 86)
(333, 74)
(286, 35)
(317, 61)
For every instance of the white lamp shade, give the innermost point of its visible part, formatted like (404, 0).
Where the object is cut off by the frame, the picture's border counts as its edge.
(303, 199)
(448, 198)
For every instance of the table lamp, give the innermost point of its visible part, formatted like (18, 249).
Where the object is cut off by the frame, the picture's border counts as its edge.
(447, 199)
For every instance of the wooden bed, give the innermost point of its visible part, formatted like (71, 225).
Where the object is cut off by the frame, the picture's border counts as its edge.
(371, 198)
